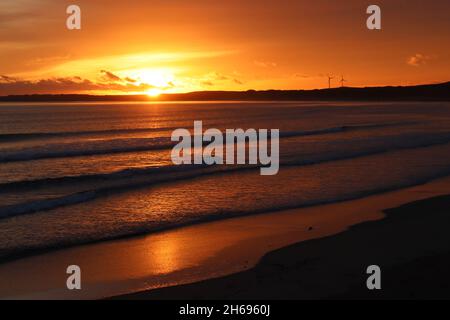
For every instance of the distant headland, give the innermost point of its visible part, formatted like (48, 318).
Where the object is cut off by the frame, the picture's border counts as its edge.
(430, 92)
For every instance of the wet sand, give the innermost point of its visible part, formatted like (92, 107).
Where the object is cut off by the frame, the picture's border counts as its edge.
(227, 251)
(411, 246)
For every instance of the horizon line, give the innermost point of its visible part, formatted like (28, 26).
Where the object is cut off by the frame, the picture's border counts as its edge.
(226, 91)
(433, 91)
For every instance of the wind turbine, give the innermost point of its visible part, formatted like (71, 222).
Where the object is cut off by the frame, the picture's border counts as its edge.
(329, 81)
(342, 81)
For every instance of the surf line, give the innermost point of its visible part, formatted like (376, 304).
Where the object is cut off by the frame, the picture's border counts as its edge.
(208, 147)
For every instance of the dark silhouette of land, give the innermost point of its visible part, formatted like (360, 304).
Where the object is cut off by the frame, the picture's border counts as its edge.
(431, 92)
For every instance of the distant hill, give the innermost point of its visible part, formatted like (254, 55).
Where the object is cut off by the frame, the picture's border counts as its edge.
(431, 92)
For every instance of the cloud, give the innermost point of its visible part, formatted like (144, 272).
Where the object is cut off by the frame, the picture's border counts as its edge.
(212, 78)
(66, 85)
(110, 76)
(6, 79)
(108, 82)
(128, 79)
(265, 64)
(418, 60)
(302, 75)
(54, 85)
(170, 85)
(220, 77)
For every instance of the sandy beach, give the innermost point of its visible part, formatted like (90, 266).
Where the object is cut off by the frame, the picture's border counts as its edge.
(230, 251)
(411, 245)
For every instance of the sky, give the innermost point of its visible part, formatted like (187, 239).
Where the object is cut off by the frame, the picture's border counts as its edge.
(165, 46)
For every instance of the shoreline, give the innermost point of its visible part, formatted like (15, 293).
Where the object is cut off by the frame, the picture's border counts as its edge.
(193, 253)
(334, 267)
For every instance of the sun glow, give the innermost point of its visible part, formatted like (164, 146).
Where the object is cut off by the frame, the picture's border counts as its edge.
(154, 92)
(153, 81)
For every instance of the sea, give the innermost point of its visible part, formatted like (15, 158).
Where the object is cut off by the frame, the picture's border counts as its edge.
(77, 173)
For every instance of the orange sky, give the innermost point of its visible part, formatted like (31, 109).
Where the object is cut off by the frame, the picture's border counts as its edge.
(153, 46)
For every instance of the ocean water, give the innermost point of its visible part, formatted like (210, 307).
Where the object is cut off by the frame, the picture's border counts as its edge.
(74, 173)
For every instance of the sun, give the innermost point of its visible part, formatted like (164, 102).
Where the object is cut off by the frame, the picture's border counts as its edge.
(156, 81)
(154, 92)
